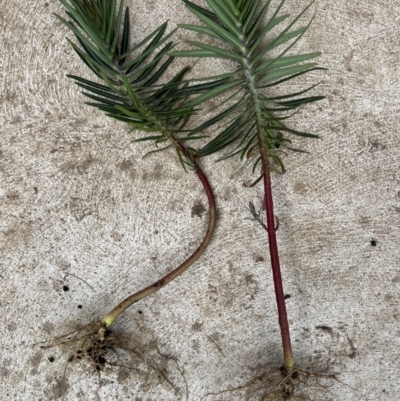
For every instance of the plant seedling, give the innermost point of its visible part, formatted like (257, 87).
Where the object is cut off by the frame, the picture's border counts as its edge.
(131, 92)
(256, 120)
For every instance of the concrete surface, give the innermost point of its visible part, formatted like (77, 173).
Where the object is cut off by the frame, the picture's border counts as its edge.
(80, 210)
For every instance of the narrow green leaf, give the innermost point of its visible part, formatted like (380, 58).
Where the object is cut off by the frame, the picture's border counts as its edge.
(225, 16)
(284, 72)
(191, 6)
(101, 99)
(214, 92)
(200, 29)
(217, 51)
(136, 115)
(305, 134)
(105, 59)
(194, 53)
(250, 32)
(104, 12)
(125, 36)
(152, 65)
(247, 12)
(149, 138)
(217, 118)
(145, 40)
(113, 46)
(154, 44)
(285, 61)
(156, 151)
(235, 39)
(284, 36)
(233, 8)
(89, 83)
(300, 102)
(264, 31)
(291, 77)
(111, 11)
(159, 72)
(275, 43)
(273, 99)
(192, 138)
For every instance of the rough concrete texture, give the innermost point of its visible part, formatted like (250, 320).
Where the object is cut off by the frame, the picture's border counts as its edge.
(85, 221)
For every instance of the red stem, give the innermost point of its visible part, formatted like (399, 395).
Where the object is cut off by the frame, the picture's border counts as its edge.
(274, 255)
(110, 318)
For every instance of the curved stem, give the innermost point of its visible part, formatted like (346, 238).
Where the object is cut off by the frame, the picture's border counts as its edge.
(110, 318)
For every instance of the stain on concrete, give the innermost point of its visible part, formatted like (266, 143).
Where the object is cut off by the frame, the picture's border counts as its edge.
(123, 374)
(388, 298)
(12, 327)
(198, 210)
(48, 327)
(128, 166)
(80, 208)
(36, 358)
(375, 146)
(300, 188)
(326, 329)
(155, 174)
(17, 234)
(60, 388)
(197, 326)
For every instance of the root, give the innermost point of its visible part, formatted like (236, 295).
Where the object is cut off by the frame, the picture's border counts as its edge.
(101, 349)
(277, 385)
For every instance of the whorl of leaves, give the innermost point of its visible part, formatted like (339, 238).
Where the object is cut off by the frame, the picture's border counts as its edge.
(243, 30)
(130, 90)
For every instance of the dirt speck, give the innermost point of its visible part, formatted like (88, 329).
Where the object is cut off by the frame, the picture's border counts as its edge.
(376, 146)
(48, 327)
(84, 166)
(327, 329)
(198, 210)
(80, 208)
(60, 388)
(36, 358)
(388, 297)
(12, 196)
(259, 259)
(300, 188)
(11, 327)
(128, 167)
(155, 174)
(17, 234)
(197, 326)
(122, 375)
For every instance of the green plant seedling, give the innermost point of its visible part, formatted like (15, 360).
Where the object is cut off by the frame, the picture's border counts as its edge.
(257, 121)
(128, 89)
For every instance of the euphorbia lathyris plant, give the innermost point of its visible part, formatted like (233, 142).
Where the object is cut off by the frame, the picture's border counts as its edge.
(257, 120)
(130, 91)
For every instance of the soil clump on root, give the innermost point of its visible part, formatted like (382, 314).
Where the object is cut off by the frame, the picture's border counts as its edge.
(103, 349)
(277, 385)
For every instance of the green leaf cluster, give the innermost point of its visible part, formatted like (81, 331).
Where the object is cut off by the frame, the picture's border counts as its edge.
(130, 88)
(244, 30)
